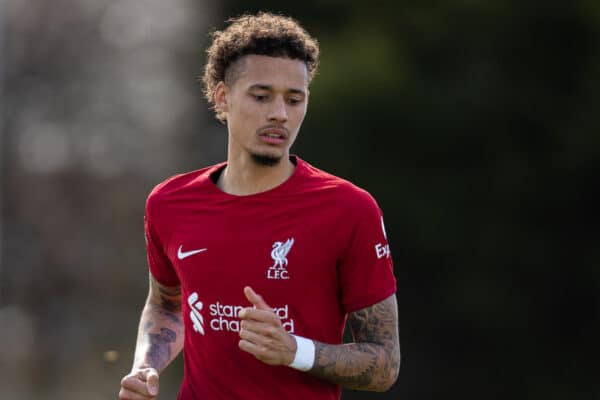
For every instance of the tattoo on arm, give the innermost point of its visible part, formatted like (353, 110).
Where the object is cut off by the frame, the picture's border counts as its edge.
(161, 330)
(173, 317)
(373, 360)
(159, 353)
(167, 297)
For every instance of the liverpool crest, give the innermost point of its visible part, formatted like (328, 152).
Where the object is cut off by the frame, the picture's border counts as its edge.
(279, 255)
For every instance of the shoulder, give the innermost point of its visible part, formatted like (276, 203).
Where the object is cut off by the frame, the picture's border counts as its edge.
(179, 184)
(345, 193)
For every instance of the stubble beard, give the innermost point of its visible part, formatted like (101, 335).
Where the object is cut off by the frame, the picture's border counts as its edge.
(265, 160)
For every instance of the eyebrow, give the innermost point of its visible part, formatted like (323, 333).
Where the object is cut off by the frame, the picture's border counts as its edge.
(269, 87)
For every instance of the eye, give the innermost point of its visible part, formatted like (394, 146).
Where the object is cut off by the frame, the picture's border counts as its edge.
(294, 101)
(260, 97)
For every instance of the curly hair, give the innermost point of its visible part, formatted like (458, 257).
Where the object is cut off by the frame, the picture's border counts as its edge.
(263, 34)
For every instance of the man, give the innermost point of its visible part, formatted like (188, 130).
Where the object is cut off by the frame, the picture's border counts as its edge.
(261, 259)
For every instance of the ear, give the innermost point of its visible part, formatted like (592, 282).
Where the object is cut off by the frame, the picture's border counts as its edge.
(221, 92)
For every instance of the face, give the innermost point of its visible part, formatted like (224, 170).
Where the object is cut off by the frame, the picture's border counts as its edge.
(265, 105)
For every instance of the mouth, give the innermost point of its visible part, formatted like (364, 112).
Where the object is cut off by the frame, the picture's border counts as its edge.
(273, 135)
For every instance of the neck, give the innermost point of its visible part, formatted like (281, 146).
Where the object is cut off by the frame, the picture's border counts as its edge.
(243, 176)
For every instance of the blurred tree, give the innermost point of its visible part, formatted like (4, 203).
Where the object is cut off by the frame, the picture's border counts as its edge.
(475, 126)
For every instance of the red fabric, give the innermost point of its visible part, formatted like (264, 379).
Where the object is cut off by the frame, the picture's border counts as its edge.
(336, 262)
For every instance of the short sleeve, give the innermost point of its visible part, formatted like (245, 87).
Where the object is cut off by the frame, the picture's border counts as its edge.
(366, 271)
(158, 262)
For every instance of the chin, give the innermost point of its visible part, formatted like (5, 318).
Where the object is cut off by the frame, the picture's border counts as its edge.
(267, 160)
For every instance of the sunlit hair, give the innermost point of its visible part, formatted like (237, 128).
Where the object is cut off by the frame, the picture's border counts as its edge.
(263, 34)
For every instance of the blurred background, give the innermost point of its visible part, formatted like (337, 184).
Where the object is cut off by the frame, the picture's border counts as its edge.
(475, 124)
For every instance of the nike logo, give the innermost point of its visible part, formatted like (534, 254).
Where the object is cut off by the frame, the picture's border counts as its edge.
(183, 254)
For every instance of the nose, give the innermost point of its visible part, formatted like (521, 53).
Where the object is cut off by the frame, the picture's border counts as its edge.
(278, 111)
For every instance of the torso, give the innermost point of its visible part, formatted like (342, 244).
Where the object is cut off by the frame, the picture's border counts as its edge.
(286, 244)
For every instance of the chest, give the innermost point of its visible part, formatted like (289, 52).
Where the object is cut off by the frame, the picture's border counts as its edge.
(275, 250)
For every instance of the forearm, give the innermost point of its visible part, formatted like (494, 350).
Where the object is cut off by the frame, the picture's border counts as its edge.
(360, 366)
(372, 361)
(160, 337)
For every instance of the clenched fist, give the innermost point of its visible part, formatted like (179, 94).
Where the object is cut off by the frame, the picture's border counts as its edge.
(262, 334)
(139, 384)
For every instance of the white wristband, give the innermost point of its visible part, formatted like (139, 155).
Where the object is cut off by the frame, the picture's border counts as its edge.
(305, 354)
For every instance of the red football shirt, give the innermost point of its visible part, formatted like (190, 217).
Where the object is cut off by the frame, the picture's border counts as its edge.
(314, 247)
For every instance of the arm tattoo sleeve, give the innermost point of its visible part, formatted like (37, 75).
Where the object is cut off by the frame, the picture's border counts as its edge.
(372, 362)
(160, 347)
(167, 297)
(161, 328)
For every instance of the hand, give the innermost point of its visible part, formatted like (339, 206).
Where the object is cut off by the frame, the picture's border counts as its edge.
(139, 384)
(262, 333)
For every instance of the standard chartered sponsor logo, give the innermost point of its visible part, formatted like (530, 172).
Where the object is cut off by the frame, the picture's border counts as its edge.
(195, 315)
(225, 317)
